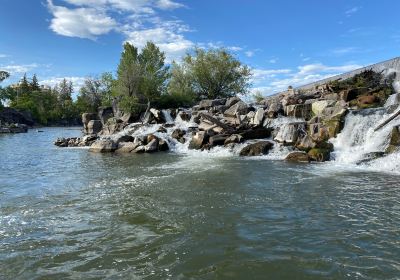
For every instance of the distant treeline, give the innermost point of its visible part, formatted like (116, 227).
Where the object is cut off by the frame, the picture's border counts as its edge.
(143, 79)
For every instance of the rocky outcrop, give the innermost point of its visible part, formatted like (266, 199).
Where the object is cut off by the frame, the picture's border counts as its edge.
(257, 149)
(298, 157)
(12, 116)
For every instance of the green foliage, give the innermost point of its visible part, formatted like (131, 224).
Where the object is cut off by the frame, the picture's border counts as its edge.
(216, 73)
(258, 97)
(141, 77)
(34, 86)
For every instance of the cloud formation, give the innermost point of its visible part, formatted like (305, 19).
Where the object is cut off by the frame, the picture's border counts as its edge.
(268, 81)
(138, 20)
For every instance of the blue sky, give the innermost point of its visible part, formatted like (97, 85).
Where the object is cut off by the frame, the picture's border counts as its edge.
(286, 42)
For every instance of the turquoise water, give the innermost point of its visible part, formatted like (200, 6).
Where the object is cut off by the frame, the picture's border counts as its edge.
(71, 214)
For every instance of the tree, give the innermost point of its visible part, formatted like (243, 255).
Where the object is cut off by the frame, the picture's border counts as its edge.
(107, 83)
(90, 94)
(128, 79)
(216, 73)
(154, 72)
(24, 86)
(34, 84)
(141, 78)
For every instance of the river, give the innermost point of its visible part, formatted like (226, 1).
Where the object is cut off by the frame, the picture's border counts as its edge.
(71, 214)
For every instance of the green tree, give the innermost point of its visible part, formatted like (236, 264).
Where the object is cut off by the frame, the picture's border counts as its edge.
(154, 72)
(141, 78)
(34, 84)
(217, 73)
(107, 83)
(129, 74)
(24, 86)
(3, 75)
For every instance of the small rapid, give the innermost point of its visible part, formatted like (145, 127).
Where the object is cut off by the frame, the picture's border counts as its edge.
(359, 143)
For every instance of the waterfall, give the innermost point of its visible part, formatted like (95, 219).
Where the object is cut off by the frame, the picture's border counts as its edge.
(167, 116)
(359, 143)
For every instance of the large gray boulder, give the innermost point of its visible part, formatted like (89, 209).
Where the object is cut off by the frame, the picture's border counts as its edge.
(86, 118)
(126, 147)
(208, 103)
(257, 149)
(240, 108)
(289, 133)
(94, 127)
(152, 146)
(298, 157)
(198, 140)
(105, 113)
(103, 146)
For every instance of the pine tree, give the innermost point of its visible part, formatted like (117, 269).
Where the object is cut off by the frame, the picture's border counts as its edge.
(24, 85)
(35, 84)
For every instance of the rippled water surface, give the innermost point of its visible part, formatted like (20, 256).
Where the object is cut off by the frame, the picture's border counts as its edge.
(71, 214)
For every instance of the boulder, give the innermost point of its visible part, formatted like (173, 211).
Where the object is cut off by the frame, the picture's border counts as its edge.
(208, 103)
(103, 146)
(156, 113)
(13, 116)
(289, 133)
(257, 149)
(217, 140)
(86, 118)
(198, 140)
(152, 146)
(184, 116)
(394, 140)
(351, 94)
(126, 147)
(258, 117)
(93, 127)
(298, 157)
(234, 138)
(105, 113)
(306, 143)
(274, 109)
(179, 134)
(163, 145)
(258, 133)
(319, 106)
(319, 154)
(124, 138)
(299, 111)
(232, 101)
(113, 126)
(239, 108)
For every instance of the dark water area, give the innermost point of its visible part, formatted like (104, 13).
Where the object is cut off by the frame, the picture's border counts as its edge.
(71, 214)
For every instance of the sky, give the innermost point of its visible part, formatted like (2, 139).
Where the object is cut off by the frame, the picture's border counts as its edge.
(286, 42)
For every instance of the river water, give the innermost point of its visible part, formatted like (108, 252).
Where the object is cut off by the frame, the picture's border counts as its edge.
(71, 214)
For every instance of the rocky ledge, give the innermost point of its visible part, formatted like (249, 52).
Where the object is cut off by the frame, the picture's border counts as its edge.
(301, 122)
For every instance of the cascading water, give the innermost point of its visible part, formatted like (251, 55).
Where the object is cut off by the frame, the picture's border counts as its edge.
(358, 142)
(167, 116)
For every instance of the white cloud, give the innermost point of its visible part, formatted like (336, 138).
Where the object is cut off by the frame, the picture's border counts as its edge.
(168, 5)
(352, 11)
(249, 53)
(80, 22)
(77, 82)
(19, 69)
(3, 55)
(274, 80)
(171, 41)
(273, 60)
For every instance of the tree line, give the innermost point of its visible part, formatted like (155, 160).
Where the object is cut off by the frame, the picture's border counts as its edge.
(143, 79)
